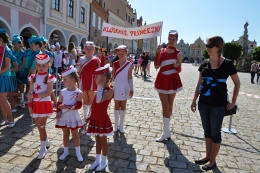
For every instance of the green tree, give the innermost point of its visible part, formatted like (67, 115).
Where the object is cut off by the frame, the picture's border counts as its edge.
(205, 54)
(256, 54)
(232, 51)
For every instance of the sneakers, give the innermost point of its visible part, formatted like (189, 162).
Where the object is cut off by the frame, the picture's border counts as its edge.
(94, 166)
(23, 106)
(42, 154)
(4, 122)
(11, 124)
(48, 144)
(79, 157)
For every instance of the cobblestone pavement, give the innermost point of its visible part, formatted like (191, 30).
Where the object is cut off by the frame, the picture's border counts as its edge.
(136, 150)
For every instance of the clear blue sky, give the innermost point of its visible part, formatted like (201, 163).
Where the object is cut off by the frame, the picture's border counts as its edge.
(204, 18)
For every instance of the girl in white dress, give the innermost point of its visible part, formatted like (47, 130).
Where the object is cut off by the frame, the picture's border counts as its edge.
(68, 117)
(123, 86)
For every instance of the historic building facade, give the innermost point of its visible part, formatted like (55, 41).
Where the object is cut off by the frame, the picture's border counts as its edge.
(67, 21)
(196, 50)
(22, 17)
(185, 49)
(251, 44)
(99, 15)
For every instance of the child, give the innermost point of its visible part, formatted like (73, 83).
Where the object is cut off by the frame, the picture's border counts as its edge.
(100, 124)
(87, 66)
(68, 118)
(139, 66)
(123, 86)
(39, 100)
(5, 80)
(58, 54)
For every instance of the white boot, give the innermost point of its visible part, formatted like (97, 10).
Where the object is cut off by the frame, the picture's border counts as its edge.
(64, 154)
(103, 163)
(96, 163)
(43, 150)
(122, 120)
(78, 154)
(116, 115)
(22, 98)
(166, 130)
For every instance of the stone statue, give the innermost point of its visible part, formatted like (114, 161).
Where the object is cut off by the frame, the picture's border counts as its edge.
(245, 26)
(245, 40)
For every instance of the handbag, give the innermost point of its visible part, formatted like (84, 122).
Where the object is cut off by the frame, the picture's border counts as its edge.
(232, 111)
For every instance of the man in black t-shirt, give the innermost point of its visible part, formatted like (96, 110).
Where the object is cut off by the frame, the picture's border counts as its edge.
(145, 58)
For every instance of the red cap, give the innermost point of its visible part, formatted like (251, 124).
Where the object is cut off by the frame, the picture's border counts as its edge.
(42, 58)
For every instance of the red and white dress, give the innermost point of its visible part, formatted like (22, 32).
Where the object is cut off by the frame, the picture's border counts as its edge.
(121, 86)
(168, 80)
(88, 67)
(70, 118)
(100, 123)
(41, 107)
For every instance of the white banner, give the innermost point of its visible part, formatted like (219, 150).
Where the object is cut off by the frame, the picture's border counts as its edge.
(143, 32)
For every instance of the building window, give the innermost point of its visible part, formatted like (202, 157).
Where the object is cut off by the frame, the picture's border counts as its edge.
(198, 45)
(133, 19)
(104, 5)
(129, 19)
(198, 52)
(82, 15)
(252, 45)
(184, 52)
(117, 11)
(125, 16)
(99, 23)
(181, 45)
(70, 8)
(56, 5)
(94, 19)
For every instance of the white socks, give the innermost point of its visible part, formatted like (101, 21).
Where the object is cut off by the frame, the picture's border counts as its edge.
(122, 120)
(96, 163)
(65, 153)
(102, 164)
(78, 154)
(86, 110)
(116, 115)
(42, 150)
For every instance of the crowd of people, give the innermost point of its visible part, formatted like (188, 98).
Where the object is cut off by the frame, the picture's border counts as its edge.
(90, 79)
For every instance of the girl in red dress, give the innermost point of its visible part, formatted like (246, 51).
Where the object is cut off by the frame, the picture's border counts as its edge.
(100, 124)
(168, 81)
(68, 117)
(40, 105)
(87, 66)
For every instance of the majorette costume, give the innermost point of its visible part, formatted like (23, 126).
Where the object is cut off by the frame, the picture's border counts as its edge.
(88, 67)
(121, 83)
(86, 73)
(70, 117)
(168, 80)
(122, 87)
(100, 123)
(42, 107)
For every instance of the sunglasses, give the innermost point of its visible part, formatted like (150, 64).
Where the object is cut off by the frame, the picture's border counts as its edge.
(210, 46)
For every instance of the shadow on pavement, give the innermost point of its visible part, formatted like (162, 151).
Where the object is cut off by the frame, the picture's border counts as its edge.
(121, 155)
(32, 166)
(9, 136)
(176, 161)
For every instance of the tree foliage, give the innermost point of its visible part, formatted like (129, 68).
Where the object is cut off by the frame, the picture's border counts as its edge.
(232, 51)
(205, 54)
(256, 54)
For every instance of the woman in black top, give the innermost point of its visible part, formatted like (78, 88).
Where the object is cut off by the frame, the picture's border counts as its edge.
(212, 92)
(145, 63)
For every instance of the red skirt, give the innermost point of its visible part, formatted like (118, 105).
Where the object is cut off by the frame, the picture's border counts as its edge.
(88, 83)
(100, 125)
(42, 109)
(168, 84)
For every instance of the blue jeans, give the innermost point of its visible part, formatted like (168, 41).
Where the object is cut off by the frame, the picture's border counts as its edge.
(212, 118)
